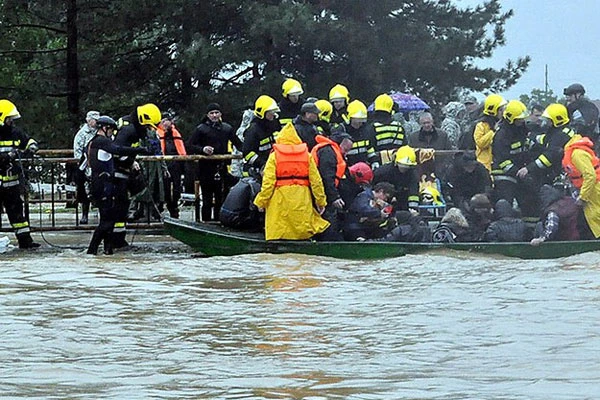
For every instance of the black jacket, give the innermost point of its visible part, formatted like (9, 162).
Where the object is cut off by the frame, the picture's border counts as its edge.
(216, 135)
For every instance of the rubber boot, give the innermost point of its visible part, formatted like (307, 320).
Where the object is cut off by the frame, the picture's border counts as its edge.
(26, 242)
(108, 247)
(85, 210)
(95, 243)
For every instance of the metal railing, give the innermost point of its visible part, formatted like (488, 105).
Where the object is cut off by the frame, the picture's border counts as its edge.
(54, 194)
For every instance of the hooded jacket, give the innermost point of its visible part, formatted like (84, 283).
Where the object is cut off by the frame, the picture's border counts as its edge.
(290, 214)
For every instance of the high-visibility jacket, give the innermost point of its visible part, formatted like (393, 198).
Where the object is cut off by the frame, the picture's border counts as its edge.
(584, 144)
(323, 141)
(291, 162)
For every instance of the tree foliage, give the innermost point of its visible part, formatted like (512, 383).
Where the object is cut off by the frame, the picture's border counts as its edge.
(63, 57)
(539, 96)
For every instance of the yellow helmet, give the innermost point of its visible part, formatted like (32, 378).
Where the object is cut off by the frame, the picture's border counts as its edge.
(514, 110)
(492, 103)
(406, 156)
(263, 104)
(339, 92)
(357, 109)
(557, 113)
(149, 114)
(431, 196)
(291, 86)
(326, 109)
(8, 110)
(384, 102)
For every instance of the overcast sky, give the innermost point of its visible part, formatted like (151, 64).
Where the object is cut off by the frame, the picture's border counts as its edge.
(562, 34)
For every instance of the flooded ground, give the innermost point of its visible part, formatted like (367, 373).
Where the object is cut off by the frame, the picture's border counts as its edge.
(157, 322)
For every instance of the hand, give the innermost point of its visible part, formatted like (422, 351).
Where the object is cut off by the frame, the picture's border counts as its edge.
(522, 173)
(208, 150)
(360, 239)
(537, 241)
(135, 166)
(339, 204)
(375, 165)
(146, 151)
(260, 209)
(321, 210)
(579, 202)
(167, 174)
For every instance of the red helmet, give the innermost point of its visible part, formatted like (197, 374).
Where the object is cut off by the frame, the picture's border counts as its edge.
(362, 173)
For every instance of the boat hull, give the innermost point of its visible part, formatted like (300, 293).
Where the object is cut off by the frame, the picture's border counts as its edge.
(214, 240)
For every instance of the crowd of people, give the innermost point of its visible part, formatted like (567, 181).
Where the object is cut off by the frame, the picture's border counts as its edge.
(330, 169)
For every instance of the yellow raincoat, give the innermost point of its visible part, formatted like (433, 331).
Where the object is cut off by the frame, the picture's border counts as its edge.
(484, 136)
(290, 214)
(590, 189)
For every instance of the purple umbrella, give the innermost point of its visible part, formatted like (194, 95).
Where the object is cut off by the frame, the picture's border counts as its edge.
(406, 102)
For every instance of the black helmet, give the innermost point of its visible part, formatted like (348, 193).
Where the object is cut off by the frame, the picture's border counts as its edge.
(573, 89)
(106, 121)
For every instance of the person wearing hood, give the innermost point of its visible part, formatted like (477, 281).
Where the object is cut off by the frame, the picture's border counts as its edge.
(560, 215)
(454, 114)
(582, 165)
(211, 138)
(507, 227)
(466, 178)
(452, 228)
(291, 183)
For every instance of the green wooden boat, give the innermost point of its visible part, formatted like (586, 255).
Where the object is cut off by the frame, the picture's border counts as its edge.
(214, 240)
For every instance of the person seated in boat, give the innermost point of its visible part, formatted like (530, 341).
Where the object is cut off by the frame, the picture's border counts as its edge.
(409, 228)
(291, 183)
(238, 210)
(466, 178)
(368, 212)
(560, 214)
(507, 227)
(452, 228)
(403, 176)
(479, 216)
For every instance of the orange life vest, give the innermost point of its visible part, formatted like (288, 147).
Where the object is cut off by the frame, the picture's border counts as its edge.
(291, 162)
(177, 140)
(323, 141)
(586, 145)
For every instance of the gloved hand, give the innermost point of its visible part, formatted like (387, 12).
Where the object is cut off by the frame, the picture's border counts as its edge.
(145, 151)
(33, 148)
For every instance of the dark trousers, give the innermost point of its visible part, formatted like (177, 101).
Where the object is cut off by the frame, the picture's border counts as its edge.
(121, 209)
(212, 197)
(104, 230)
(10, 198)
(173, 188)
(82, 196)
